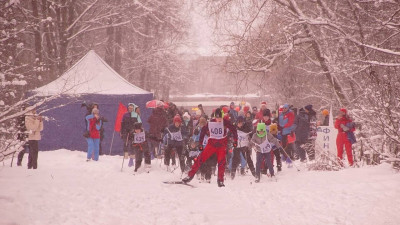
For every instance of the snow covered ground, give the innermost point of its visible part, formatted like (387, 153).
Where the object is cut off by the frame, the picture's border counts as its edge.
(65, 189)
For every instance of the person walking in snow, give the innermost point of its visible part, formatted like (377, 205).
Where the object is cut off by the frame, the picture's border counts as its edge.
(216, 129)
(262, 143)
(244, 130)
(273, 129)
(34, 124)
(93, 126)
(175, 141)
(345, 135)
(140, 147)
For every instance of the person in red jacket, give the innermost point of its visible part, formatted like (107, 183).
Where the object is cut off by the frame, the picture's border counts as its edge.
(93, 126)
(344, 124)
(216, 130)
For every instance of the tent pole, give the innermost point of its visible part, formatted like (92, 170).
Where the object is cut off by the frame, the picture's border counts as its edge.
(112, 140)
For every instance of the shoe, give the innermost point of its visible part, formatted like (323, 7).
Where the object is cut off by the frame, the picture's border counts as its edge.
(242, 171)
(257, 179)
(87, 160)
(279, 169)
(232, 175)
(187, 179)
(208, 181)
(253, 173)
(220, 183)
(130, 164)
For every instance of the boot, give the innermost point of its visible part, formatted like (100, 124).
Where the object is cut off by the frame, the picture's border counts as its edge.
(233, 175)
(220, 183)
(242, 171)
(257, 179)
(187, 179)
(253, 173)
(130, 164)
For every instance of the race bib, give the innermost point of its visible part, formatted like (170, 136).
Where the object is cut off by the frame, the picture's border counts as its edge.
(139, 138)
(176, 136)
(265, 146)
(205, 140)
(216, 130)
(243, 138)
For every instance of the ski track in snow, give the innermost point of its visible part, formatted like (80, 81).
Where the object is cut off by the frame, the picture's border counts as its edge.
(68, 190)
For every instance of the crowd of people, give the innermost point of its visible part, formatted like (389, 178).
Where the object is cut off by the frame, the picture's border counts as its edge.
(203, 144)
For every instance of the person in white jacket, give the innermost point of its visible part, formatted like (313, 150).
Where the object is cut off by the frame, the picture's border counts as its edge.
(34, 124)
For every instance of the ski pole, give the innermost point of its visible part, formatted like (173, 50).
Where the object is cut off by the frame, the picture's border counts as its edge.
(123, 156)
(283, 149)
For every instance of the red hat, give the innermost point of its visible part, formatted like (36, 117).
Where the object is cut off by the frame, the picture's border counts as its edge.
(225, 109)
(263, 103)
(237, 109)
(343, 110)
(177, 118)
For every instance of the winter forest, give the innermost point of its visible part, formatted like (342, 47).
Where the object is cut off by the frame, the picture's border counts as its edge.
(328, 53)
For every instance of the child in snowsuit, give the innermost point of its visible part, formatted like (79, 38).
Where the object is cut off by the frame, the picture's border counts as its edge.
(262, 141)
(140, 147)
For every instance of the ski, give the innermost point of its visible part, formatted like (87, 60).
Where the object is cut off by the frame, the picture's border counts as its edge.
(178, 182)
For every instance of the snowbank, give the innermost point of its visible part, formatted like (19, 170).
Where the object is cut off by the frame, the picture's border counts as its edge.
(65, 189)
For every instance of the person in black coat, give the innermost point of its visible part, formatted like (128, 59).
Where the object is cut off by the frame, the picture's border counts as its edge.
(175, 141)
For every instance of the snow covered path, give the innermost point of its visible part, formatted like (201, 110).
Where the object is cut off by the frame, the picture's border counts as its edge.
(67, 190)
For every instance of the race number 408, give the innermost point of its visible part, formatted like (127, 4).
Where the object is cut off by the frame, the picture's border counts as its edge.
(217, 131)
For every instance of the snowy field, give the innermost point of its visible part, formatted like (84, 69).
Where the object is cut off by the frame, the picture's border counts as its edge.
(65, 189)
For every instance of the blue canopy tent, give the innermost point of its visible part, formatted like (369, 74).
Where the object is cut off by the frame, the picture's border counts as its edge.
(90, 80)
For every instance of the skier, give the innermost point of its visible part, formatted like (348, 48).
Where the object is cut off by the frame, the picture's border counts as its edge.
(128, 120)
(262, 142)
(217, 142)
(243, 130)
(175, 142)
(287, 126)
(140, 147)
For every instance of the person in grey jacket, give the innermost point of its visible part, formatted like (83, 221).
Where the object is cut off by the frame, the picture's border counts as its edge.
(34, 124)
(262, 143)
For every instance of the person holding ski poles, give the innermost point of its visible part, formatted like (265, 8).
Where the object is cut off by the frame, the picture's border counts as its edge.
(141, 147)
(175, 142)
(128, 120)
(216, 129)
(244, 131)
(263, 142)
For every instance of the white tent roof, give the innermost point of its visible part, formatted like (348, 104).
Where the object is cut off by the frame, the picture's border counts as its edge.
(90, 75)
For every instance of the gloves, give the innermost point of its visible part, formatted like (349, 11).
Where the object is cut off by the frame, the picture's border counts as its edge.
(235, 143)
(345, 128)
(201, 147)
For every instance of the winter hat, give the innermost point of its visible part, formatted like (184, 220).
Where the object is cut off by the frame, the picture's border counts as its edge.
(186, 115)
(325, 112)
(237, 108)
(264, 103)
(273, 128)
(261, 127)
(266, 112)
(198, 112)
(343, 110)
(177, 119)
(218, 113)
(308, 107)
(240, 119)
(285, 106)
(232, 103)
(137, 126)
